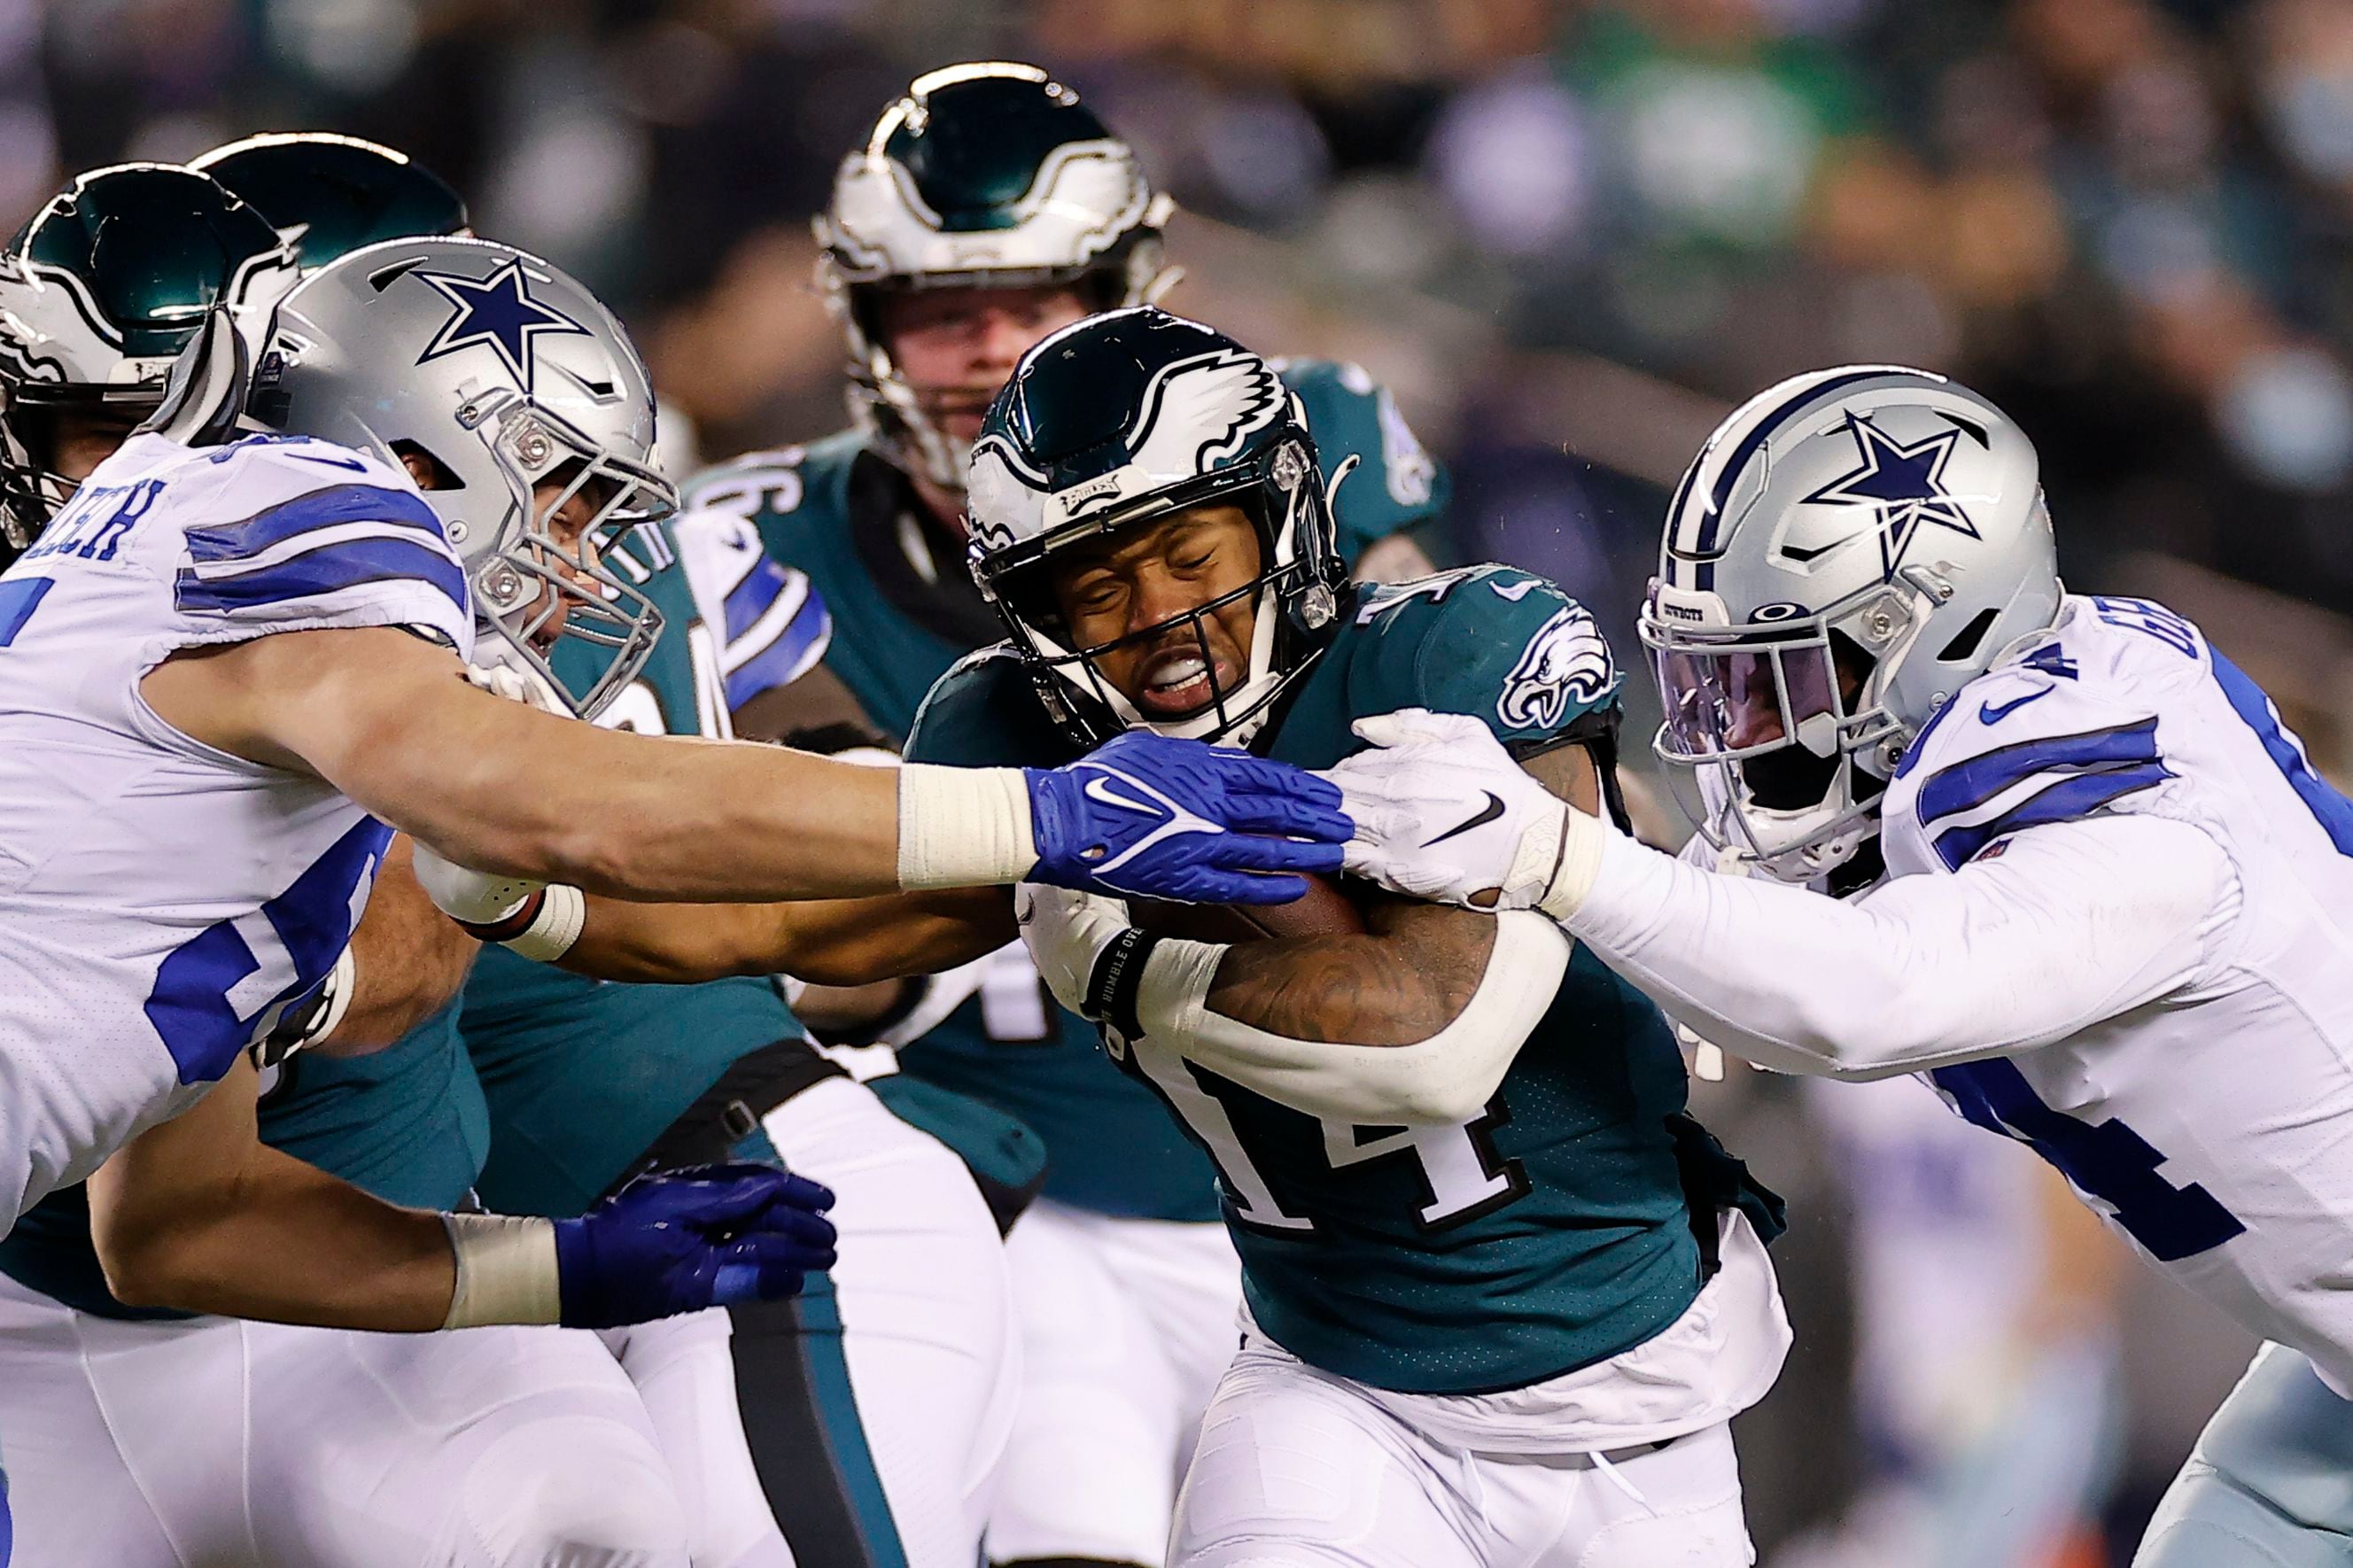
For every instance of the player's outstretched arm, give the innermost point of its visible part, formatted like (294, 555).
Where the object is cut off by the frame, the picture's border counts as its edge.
(389, 720)
(832, 941)
(198, 1215)
(1415, 1021)
(2071, 923)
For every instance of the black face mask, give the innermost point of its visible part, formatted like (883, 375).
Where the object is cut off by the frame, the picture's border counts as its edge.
(1790, 778)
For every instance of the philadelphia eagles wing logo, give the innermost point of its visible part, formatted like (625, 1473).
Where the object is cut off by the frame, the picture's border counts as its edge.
(1565, 661)
(1201, 412)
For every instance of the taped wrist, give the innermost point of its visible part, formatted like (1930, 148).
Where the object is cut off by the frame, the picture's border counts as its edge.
(542, 927)
(506, 1270)
(963, 827)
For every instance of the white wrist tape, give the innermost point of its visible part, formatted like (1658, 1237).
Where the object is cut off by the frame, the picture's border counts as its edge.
(963, 827)
(1577, 860)
(1446, 1079)
(552, 931)
(506, 1270)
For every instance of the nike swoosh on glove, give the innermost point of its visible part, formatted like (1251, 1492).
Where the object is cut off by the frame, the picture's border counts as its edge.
(709, 1236)
(1445, 813)
(1147, 814)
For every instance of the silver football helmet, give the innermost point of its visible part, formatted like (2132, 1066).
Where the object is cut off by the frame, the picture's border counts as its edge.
(500, 374)
(1848, 550)
(989, 175)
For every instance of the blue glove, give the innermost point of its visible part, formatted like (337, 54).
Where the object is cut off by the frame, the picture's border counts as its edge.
(1166, 818)
(708, 1237)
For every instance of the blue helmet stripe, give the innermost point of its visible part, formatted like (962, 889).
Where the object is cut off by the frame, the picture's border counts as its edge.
(1968, 785)
(2065, 801)
(1703, 570)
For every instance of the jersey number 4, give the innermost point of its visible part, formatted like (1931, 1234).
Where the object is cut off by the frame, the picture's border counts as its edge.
(2106, 1159)
(1462, 1173)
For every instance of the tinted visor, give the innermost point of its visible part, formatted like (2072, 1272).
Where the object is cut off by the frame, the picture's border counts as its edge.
(1737, 700)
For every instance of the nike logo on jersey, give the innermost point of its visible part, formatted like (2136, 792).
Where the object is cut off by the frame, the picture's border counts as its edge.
(1494, 809)
(1989, 713)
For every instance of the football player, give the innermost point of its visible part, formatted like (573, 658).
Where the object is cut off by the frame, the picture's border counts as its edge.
(543, 1451)
(2106, 898)
(1501, 1302)
(237, 649)
(988, 207)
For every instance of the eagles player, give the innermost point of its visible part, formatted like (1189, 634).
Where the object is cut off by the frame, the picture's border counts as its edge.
(864, 1420)
(2113, 917)
(987, 208)
(1501, 1293)
(328, 194)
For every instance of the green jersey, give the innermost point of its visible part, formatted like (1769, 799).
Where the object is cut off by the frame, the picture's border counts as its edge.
(899, 608)
(408, 1123)
(583, 1077)
(1550, 1232)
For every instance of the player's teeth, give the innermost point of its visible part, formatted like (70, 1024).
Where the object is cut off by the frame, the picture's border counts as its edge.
(1182, 672)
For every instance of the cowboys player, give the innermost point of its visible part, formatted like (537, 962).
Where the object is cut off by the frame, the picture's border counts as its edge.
(213, 635)
(1499, 1300)
(546, 1451)
(2110, 881)
(987, 208)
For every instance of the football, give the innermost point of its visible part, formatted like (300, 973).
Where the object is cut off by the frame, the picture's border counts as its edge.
(1328, 908)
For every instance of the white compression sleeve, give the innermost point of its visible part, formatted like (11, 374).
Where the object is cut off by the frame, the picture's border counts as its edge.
(963, 827)
(2072, 923)
(1445, 1078)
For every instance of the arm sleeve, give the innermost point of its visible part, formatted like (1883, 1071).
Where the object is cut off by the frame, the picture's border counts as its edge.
(2070, 924)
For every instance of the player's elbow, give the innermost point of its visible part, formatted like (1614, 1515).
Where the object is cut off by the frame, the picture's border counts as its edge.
(148, 1266)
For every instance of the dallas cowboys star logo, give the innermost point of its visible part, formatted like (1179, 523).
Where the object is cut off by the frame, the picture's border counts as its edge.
(1906, 483)
(497, 312)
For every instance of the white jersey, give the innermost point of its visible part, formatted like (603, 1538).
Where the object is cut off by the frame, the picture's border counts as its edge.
(163, 903)
(2117, 925)
(2213, 1125)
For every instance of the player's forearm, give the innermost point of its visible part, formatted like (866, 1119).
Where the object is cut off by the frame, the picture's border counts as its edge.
(408, 960)
(831, 942)
(2075, 923)
(283, 1242)
(1396, 986)
(199, 1216)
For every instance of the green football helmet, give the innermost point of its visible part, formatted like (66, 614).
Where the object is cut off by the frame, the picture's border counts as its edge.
(330, 195)
(97, 294)
(990, 175)
(1114, 423)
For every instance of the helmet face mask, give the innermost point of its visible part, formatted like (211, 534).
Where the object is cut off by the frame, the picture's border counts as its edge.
(1849, 549)
(986, 175)
(1119, 424)
(523, 398)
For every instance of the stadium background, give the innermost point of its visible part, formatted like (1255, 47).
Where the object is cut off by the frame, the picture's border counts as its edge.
(1569, 235)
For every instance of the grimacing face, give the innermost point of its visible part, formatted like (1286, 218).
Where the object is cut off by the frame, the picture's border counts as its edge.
(1116, 589)
(957, 347)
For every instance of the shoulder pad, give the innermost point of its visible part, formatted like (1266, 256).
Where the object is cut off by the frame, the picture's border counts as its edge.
(2051, 736)
(1397, 483)
(1496, 642)
(985, 713)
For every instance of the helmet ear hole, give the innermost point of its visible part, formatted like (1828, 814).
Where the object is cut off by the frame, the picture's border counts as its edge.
(438, 476)
(1970, 638)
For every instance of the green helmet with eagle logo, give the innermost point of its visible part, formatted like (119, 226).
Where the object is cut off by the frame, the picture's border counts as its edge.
(330, 194)
(99, 292)
(1119, 421)
(989, 175)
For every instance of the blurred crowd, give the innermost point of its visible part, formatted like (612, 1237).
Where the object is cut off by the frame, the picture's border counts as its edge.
(1568, 232)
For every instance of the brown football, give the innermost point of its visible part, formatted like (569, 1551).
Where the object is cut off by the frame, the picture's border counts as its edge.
(1324, 910)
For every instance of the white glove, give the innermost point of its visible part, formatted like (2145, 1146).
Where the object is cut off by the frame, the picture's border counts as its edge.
(1066, 932)
(474, 898)
(1444, 814)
